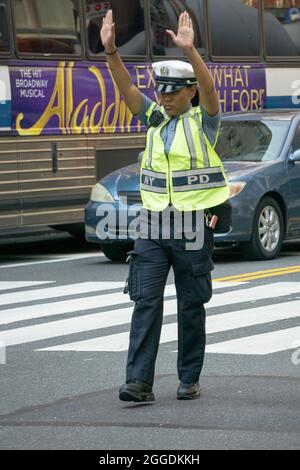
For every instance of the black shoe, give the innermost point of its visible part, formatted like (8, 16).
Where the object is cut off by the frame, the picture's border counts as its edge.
(188, 391)
(136, 391)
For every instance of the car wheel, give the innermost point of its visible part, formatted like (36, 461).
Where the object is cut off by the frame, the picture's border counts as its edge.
(116, 252)
(268, 232)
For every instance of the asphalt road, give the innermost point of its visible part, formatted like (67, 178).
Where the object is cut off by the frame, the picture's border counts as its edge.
(64, 325)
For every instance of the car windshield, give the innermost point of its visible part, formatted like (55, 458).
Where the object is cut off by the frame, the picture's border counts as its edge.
(251, 141)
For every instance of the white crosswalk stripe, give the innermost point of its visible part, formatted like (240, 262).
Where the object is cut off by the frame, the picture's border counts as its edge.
(119, 314)
(265, 343)
(79, 324)
(55, 260)
(215, 324)
(9, 285)
(74, 305)
(54, 292)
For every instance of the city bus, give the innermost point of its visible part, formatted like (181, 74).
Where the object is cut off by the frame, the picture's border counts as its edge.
(63, 123)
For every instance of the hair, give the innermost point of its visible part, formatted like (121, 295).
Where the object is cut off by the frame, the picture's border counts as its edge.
(196, 100)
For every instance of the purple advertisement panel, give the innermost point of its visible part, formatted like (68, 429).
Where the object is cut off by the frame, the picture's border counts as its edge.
(240, 87)
(76, 98)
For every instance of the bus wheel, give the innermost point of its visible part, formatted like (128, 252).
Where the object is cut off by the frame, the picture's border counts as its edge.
(268, 232)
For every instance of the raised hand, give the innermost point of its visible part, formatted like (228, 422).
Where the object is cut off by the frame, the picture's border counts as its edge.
(185, 34)
(107, 33)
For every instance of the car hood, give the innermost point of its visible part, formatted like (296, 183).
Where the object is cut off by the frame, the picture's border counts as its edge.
(127, 180)
(237, 169)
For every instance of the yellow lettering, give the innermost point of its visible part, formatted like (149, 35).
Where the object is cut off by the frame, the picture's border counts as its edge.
(247, 68)
(244, 100)
(255, 99)
(83, 126)
(151, 77)
(125, 117)
(69, 96)
(140, 76)
(217, 75)
(111, 126)
(95, 128)
(228, 75)
(238, 77)
(51, 110)
(222, 94)
(234, 100)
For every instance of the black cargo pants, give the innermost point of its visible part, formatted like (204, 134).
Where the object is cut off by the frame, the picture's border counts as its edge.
(150, 263)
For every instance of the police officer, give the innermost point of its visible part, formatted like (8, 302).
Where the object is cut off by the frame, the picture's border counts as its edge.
(181, 169)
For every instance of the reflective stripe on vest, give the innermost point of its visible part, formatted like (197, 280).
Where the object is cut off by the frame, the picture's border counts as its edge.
(198, 179)
(151, 132)
(153, 181)
(190, 141)
(202, 141)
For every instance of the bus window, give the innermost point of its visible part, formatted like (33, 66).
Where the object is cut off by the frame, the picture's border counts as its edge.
(4, 36)
(47, 27)
(130, 26)
(282, 27)
(234, 28)
(165, 14)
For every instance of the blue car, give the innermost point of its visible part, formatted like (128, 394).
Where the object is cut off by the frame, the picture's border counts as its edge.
(261, 156)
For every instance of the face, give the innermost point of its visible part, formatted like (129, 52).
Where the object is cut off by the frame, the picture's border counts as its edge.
(179, 101)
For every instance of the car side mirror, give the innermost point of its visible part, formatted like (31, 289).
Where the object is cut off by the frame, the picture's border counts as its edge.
(295, 156)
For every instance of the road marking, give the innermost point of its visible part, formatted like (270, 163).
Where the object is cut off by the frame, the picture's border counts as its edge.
(271, 275)
(42, 257)
(121, 315)
(9, 285)
(214, 324)
(58, 291)
(265, 343)
(58, 260)
(260, 274)
(76, 325)
(62, 307)
(74, 305)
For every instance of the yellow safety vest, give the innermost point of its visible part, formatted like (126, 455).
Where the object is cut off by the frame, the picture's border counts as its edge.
(191, 176)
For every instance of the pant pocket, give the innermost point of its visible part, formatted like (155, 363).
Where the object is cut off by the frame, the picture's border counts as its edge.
(202, 285)
(134, 282)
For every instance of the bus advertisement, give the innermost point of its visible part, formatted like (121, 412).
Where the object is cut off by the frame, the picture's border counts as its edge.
(70, 99)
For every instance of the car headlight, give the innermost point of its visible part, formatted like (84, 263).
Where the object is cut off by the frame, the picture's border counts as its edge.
(101, 194)
(236, 187)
